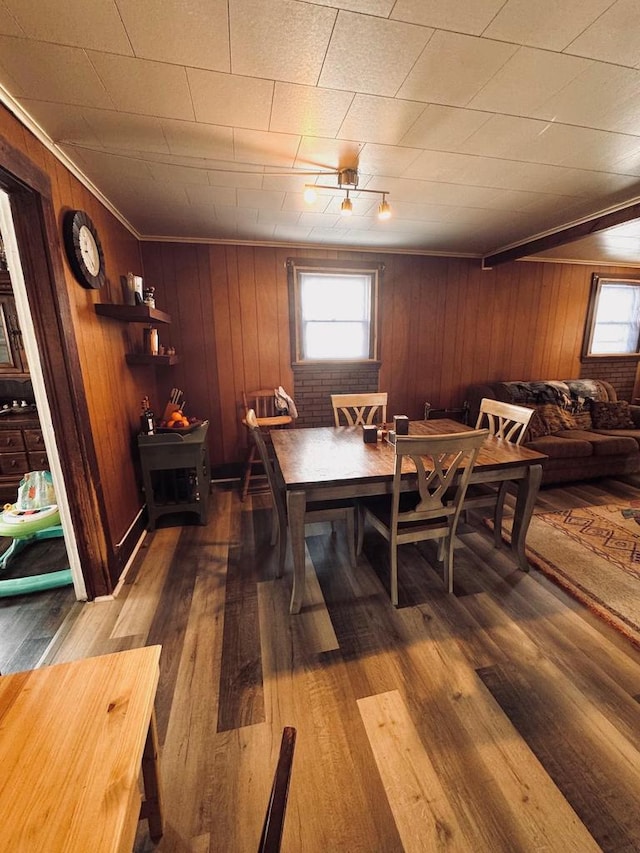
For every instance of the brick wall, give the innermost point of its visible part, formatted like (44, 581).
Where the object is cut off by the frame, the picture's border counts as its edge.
(621, 373)
(314, 384)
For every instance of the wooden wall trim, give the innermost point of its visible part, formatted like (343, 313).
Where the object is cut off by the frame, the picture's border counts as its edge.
(38, 241)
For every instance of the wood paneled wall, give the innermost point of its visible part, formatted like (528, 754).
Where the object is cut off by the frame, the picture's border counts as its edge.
(445, 324)
(113, 390)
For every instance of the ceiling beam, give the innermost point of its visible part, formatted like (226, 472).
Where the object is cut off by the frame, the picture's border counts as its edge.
(564, 235)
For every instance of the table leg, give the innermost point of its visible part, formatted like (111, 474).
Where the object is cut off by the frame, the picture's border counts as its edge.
(296, 505)
(152, 805)
(528, 488)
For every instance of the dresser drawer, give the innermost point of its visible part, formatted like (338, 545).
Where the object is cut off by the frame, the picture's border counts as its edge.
(11, 439)
(38, 461)
(14, 463)
(33, 439)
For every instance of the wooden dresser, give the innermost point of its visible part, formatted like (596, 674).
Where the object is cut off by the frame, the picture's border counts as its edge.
(21, 450)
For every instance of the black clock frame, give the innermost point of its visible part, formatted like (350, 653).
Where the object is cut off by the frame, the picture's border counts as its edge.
(72, 223)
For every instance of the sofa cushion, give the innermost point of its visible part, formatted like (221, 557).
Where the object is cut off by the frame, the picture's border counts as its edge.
(557, 447)
(603, 443)
(611, 415)
(549, 418)
(622, 433)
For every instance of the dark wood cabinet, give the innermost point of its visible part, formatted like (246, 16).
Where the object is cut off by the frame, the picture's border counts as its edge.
(21, 450)
(13, 360)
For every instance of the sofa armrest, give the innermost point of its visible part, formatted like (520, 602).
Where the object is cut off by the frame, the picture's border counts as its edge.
(635, 414)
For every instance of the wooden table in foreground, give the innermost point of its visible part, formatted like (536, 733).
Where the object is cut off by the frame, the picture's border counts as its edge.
(73, 740)
(334, 462)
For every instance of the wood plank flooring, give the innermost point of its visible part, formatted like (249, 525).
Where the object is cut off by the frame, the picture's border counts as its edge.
(502, 718)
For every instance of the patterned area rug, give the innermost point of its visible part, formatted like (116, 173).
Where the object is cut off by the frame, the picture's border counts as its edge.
(594, 553)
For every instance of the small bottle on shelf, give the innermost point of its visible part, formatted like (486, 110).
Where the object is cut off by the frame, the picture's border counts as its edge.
(147, 419)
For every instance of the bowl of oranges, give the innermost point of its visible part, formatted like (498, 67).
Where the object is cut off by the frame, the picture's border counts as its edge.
(179, 422)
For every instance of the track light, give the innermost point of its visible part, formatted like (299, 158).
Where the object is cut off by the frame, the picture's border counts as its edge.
(310, 194)
(347, 179)
(384, 209)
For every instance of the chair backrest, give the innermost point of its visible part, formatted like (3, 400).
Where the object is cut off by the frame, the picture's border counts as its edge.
(275, 487)
(263, 402)
(504, 420)
(437, 459)
(360, 408)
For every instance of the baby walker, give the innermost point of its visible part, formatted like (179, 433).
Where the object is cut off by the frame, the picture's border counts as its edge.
(33, 517)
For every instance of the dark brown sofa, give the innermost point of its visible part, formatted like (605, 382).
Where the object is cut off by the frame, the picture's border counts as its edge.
(579, 424)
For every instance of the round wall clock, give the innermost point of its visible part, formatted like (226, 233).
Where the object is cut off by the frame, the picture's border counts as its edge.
(83, 249)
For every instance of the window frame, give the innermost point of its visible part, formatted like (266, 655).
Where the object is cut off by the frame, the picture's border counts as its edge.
(295, 266)
(597, 282)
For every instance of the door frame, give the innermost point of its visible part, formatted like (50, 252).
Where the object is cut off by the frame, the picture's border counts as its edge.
(37, 235)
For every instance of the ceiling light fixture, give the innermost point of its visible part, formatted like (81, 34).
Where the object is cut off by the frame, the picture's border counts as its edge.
(348, 180)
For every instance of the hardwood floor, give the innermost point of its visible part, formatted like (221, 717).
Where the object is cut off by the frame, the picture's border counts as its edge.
(502, 718)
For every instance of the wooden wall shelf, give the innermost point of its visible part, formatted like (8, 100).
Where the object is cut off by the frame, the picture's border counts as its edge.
(155, 360)
(132, 313)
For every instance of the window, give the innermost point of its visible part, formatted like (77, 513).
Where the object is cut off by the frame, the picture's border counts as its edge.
(613, 321)
(334, 308)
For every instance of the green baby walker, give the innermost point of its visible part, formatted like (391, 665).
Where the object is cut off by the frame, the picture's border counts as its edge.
(33, 517)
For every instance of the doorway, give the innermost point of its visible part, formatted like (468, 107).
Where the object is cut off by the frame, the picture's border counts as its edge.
(8, 236)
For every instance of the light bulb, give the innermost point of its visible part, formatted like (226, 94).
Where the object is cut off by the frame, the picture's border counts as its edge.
(384, 210)
(346, 208)
(310, 194)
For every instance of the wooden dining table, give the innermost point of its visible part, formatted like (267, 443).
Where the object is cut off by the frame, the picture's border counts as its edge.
(327, 463)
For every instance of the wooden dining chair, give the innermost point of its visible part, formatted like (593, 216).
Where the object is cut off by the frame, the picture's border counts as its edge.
(428, 513)
(315, 510)
(357, 409)
(263, 404)
(276, 808)
(506, 422)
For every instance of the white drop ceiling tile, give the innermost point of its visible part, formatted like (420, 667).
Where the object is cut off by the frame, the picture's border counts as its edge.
(308, 110)
(236, 215)
(260, 199)
(371, 55)
(230, 99)
(386, 160)
(188, 138)
(603, 96)
(613, 37)
(127, 132)
(295, 201)
(291, 233)
(113, 167)
(444, 166)
(443, 128)
(545, 23)
(96, 25)
(145, 87)
(260, 232)
(278, 217)
(287, 183)
(528, 79)
(362, 205)
(327, 235)
(51, 72)
(263, 148)
(199, 31)
(326, 154)
(280, 40)
(453, 68)
(9, 25)
(318, 220)
(177, 173)
(383, 120)
(463, 16)
(61, 122)
(537, 141)
(407, 211)
(381, 8)
(204, 194)
(229, 177)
